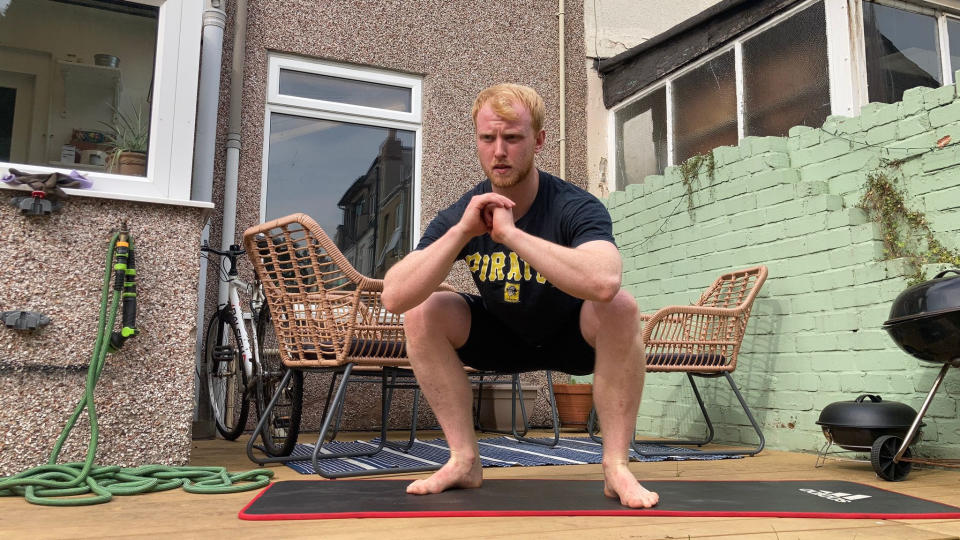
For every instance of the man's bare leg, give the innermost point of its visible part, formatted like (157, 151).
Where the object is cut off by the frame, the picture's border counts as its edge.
(613, 330)
(434, 330)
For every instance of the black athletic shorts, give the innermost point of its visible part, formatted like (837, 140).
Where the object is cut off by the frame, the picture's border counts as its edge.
(492, 346)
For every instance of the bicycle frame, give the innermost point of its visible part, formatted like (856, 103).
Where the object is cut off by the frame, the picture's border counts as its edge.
(248, 340)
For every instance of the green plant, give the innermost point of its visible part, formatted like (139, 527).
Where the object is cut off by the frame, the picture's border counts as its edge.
(129, 132)
(690, 171)
(906, 233)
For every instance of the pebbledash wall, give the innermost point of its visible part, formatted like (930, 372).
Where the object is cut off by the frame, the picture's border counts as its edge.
(55, 265)
(790, 203)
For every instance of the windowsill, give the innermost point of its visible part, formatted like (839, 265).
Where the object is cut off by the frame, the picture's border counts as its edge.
(206, 206)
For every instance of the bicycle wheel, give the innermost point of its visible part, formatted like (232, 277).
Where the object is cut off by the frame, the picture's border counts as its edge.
(283, 425)
(224, 374)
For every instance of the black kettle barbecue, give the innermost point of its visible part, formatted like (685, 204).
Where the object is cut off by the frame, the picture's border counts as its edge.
(924, 322)
(857, 424)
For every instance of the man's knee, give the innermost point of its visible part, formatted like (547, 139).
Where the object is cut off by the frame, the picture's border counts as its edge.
(418, 319)
(623, 307)
(442, 314)
(619, 316)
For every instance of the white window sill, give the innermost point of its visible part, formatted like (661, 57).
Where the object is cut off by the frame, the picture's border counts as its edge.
(121, 197)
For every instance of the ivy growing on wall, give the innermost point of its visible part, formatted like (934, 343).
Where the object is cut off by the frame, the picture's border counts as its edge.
(690, 172)
(905, 233)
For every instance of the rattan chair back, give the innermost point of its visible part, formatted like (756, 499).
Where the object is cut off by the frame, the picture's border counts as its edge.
(325, 312)
(704, 337)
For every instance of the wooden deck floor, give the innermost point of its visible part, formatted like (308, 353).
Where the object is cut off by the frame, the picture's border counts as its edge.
(183, 515)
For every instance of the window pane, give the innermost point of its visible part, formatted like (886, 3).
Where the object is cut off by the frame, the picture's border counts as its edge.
(953, 30)
(705, 108)
(785, 78)
(74, 70)
(8, 100)
(641, 135)
(901, 50)
(354, 180)
(327, 88)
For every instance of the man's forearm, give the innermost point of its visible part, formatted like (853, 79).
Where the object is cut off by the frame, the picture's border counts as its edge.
(413, 279)
(590, 271)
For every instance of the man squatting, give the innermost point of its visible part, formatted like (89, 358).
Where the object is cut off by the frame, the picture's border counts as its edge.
(569, 314)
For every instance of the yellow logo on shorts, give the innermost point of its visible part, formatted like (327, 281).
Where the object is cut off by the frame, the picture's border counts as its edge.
(511, 293)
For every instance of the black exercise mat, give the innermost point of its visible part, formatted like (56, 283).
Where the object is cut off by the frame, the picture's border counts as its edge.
(322, 499)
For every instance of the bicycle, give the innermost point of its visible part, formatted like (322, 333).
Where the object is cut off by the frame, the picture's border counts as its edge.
(240, 365)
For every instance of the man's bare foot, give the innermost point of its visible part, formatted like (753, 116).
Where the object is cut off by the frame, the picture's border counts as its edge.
(457, 472)
(619, 482)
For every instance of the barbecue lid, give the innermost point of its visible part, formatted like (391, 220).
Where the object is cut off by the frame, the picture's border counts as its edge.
(873, 413)
(938, 295)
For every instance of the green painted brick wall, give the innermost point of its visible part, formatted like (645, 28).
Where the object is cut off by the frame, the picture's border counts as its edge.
(815, 333)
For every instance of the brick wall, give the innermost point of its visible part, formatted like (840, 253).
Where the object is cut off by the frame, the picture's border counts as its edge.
(815, 335)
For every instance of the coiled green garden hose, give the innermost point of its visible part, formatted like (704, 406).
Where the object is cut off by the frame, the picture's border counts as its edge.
(56, 484)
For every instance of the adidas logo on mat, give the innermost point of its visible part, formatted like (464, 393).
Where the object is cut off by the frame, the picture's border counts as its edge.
(834, 496)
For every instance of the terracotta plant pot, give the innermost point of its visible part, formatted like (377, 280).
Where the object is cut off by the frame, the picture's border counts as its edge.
(574, 402)
(129, 163)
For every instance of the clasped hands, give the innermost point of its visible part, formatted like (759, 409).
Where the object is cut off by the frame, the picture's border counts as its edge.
(489, 213)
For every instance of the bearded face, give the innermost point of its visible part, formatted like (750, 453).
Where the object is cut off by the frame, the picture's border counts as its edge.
(507, 146)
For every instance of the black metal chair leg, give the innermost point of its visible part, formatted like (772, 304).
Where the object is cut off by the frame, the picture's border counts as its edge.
(386, 398)
(326, 404)
(339, 421)
(413, 421)
(592, 426)
(518, 394)
(394, 375)
(703, 409)
(744, 452)
(261, 424)
(476, 418)
(753, 422)
(684, 442)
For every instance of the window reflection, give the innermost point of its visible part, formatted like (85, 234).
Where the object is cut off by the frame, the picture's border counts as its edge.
(641, 135)
(339, 90)
(901, 51)
(354, 180)
(705, 108)
(785, 78)
(953, 32)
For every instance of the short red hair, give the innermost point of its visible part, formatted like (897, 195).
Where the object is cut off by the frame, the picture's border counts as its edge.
(501, 98)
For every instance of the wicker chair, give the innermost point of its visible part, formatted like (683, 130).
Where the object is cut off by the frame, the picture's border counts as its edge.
(703, 340)
(329, 317)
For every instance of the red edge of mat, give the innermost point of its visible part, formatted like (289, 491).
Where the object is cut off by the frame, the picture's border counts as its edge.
(624, 512)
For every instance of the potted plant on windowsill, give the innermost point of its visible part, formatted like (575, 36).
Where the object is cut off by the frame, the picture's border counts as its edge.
(574, 402)
(128, 137)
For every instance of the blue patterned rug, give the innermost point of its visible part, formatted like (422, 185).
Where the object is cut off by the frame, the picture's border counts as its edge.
(494, 452)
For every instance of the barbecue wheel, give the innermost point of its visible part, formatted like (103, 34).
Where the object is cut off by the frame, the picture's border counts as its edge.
(881, 457)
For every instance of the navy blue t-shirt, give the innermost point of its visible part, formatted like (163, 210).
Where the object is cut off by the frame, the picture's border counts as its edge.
(511, 289)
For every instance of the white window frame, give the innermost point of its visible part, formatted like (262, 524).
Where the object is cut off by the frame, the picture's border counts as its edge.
(735, 46)
(943, 39)
(945, 33)
(343, 112)
(612, 125)
(172, 114)
(846, 59)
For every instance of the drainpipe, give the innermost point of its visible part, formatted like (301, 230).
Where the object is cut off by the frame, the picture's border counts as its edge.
(233, 136)
(208, 93)
(563, 93)
(201, 186)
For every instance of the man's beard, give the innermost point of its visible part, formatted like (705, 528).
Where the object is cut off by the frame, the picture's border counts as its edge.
(509, 181)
